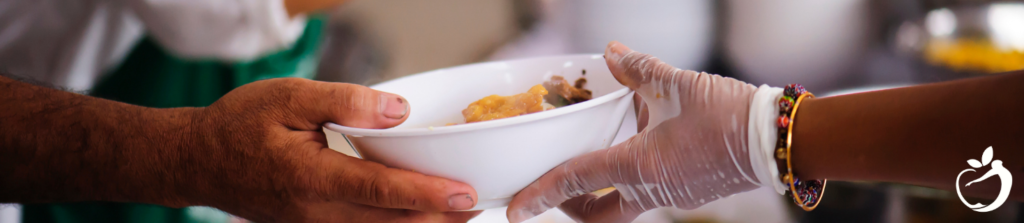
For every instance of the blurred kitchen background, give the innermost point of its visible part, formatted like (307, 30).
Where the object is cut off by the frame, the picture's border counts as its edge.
(828, 46)
(836, 46)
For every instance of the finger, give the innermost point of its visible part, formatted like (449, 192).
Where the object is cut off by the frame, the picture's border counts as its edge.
(642, 113)
(359, 106)
(607, 208)
(362, 213)
(350, 105)
(452, 217)
(347, 212)
(459, 216)
(578, 176)
(633, 69)
(637, 103)
(369, 183)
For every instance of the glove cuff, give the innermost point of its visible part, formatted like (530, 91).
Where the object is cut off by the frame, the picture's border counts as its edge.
(762, 135)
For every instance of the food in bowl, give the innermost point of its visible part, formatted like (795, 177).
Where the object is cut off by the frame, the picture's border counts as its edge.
(498, 158)
(495, 106)
(534, 100)
(564, 94)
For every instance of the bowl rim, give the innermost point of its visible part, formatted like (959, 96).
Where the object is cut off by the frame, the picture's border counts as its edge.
(436, 130)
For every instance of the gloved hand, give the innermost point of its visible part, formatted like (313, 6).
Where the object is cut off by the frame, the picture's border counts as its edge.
(692, 149)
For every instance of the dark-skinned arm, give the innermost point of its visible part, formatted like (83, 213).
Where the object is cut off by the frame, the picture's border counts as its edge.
(921, 135)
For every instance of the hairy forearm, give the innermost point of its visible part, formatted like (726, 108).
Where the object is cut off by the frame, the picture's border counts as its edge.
(920, 135)
(58, 146)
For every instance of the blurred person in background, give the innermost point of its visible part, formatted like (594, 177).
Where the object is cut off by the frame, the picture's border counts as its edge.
(155, 53)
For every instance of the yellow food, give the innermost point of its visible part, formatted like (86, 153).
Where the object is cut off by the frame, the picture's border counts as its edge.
(973, 55)
(496, 106)
(603, 192)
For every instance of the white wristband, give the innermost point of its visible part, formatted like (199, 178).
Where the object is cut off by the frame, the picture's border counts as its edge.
(762, 135)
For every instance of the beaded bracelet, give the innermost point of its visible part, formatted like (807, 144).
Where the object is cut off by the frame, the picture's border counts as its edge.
(806, 194)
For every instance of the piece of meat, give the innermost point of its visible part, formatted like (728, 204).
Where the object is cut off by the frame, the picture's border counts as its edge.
(564, 94)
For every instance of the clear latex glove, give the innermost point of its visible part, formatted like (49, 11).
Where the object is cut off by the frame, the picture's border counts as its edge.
(693, 148)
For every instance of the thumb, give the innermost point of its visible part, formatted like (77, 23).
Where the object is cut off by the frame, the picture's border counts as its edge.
(353, 106)
(633, 69)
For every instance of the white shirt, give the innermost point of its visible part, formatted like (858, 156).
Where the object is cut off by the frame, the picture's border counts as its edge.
(70, 43)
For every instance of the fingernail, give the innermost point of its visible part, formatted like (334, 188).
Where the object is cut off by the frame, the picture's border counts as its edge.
(393, 106)
(616, 51)
(460, 202)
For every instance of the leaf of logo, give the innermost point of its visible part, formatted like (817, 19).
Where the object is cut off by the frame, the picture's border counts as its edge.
(974, 163)
(986, 157)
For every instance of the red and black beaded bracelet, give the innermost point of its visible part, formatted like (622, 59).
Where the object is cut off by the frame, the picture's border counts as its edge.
(808, 193)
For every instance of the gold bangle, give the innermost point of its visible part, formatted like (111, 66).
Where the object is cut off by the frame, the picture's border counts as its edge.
(805, 193)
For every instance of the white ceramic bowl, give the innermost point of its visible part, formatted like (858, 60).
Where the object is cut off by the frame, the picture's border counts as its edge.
(498, 157)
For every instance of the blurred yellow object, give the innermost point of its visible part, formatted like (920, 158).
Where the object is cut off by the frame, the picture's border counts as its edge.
(603, 192)
(973, 55)
(496, 107)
